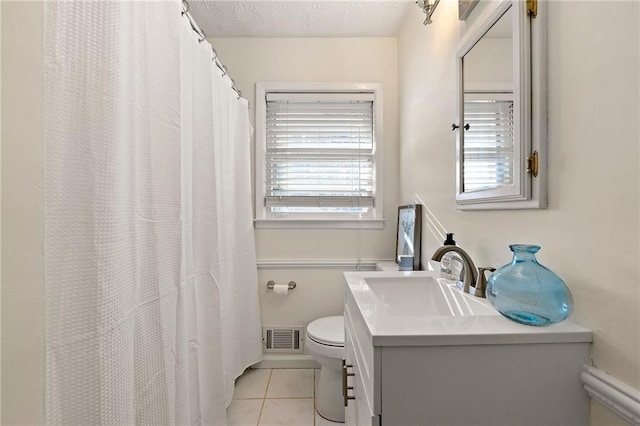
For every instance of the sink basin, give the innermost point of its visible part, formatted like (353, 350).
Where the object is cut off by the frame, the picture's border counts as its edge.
(418, 308)
(424, 296)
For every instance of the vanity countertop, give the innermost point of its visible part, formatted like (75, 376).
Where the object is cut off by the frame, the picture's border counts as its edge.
(419, 309)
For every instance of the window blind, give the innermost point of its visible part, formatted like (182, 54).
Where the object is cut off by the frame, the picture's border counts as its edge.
(488, 144)
(319, 152)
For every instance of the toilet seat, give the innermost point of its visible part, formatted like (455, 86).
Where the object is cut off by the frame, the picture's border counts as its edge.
(327, 331)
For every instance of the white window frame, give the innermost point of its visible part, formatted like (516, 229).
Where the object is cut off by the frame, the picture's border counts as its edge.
(315, 220)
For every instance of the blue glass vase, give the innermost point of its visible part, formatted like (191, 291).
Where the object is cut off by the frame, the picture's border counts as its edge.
(527, 292)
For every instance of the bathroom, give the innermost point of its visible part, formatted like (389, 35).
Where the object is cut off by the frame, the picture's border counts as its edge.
(589, 232)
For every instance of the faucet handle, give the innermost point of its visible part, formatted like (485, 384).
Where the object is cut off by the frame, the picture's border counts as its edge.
(480, 288)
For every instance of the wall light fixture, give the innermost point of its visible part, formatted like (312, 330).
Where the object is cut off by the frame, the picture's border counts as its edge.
(428, 7)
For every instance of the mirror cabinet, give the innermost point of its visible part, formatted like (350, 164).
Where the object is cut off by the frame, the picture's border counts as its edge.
(501, 98)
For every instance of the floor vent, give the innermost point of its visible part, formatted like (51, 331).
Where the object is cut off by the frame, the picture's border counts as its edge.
(283, 339)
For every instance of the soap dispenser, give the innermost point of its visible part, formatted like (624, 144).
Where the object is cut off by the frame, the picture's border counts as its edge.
(451, 263)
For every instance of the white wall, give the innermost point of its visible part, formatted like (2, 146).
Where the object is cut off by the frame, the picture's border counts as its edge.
(590, 232)
(22, 214)
(250, 60)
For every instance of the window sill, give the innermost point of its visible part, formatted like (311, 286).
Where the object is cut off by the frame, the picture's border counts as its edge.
(318, 223)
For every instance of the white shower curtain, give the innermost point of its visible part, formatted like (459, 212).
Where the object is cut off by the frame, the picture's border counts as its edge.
(151, 289)
(236, 244)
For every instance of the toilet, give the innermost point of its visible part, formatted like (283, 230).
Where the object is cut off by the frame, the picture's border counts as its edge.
(325, 342)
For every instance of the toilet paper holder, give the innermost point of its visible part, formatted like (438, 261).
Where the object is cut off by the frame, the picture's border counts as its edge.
(271, 284)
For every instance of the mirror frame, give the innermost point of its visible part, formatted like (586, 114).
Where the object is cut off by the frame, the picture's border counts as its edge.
(530, 108)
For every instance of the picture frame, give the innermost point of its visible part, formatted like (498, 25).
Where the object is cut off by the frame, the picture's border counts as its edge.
(409, 233)
(465, 7)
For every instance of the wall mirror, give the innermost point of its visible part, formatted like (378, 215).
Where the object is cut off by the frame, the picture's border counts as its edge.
(501, 126)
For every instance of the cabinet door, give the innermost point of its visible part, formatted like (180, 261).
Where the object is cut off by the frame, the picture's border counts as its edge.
(358, 411)
(350, 415)
(363, 411)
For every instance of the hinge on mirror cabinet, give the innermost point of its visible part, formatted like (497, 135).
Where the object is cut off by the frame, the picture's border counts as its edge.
(532, 8)
(532, 164)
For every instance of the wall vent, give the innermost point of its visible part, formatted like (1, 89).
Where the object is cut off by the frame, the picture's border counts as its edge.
(283, 339)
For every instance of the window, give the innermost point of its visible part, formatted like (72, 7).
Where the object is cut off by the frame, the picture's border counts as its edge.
(317, 160)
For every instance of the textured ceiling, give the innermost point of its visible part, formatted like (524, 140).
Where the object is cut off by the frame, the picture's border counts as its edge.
(301, 18)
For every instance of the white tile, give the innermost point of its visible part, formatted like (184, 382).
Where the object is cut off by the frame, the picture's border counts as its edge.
(291, 383)
(244, 412)
(321, 421)
(283, 412)
(252, 384)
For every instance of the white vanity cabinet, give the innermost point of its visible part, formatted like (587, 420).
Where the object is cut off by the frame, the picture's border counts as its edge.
(439, 372)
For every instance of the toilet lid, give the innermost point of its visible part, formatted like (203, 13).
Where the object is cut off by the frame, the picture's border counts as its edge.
(328, 330)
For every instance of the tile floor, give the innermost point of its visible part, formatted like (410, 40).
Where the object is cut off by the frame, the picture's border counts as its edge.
(279, 397)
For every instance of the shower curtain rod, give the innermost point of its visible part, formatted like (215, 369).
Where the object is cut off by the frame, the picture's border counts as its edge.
(202, 36)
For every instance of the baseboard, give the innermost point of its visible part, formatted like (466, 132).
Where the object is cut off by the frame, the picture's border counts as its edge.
(287, 361)
(617, 396)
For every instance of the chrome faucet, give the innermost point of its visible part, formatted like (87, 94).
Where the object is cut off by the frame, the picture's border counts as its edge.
(474, 280)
